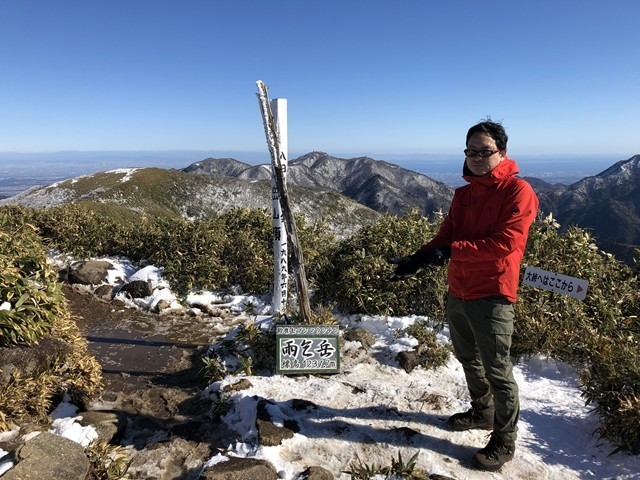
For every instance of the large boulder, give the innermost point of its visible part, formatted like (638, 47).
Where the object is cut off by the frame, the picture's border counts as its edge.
(48, 456)
(89, 272)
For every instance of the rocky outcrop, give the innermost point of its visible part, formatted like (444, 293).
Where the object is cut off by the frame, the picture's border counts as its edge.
(48, 456)
(93, 272)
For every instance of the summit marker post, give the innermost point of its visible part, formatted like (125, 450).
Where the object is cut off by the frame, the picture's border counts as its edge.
(280, 245)
(278, 159)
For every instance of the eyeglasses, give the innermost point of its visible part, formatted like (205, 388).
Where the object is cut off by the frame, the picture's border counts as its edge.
(482, 153)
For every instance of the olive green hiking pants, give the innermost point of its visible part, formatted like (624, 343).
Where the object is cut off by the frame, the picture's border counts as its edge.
(481, 336)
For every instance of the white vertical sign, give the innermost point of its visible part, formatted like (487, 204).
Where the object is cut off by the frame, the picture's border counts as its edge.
(281, 266)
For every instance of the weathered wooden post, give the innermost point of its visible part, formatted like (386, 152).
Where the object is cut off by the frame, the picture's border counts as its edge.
(277, 159)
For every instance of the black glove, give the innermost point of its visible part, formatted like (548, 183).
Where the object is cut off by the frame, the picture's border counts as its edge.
(440, 255)
(409, 266)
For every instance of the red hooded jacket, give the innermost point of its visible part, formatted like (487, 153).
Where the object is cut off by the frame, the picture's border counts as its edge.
(487, 227)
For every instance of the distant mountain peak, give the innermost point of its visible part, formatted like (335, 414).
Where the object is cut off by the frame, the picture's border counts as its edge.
(608, 204)
(377, 184)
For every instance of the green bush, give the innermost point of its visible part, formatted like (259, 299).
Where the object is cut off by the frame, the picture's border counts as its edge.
(189, 252)
(611, 383)
(600, 335)
(27, 283)
(42, 350)
(76, 230)
(232, 249)
(562, 326)
(355, 275)
(248, 249)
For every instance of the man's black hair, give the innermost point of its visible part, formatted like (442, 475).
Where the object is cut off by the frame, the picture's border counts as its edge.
(494, 129)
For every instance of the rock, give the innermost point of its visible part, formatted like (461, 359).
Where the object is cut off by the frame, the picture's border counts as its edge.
(48, 456)
(89, 272)
(240, 469)
(136, 289)
(300, 405)
(161, 307)
(408, 433)
(316, 473)
(104, 292)
(177, 458)
(411, 359)
(242, 384)
(270, 434)
(408, 360)
(108, 425)
(365, 337)
(27, 360)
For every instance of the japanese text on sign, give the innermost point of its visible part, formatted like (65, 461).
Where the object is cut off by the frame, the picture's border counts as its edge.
(555, 282)
(307, 349)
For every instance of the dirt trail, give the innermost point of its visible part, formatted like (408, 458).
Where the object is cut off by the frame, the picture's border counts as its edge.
(151, 368)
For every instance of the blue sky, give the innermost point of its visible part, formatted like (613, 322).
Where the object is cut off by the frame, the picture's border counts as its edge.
(371, 76)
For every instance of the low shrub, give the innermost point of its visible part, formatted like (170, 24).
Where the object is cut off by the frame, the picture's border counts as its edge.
(189, 253)
(434, 354)
(600, 335)
(560, 325)
(28, 286)
(42, 353)
(359, 470)
(611, 383)
(248, 249)
(232, 249)
(356, 274)
(107, 462)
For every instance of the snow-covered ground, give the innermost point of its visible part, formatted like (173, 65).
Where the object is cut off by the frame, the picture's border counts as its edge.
(372, 411)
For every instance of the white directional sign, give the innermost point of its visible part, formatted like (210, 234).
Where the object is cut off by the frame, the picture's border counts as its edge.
(555, 282)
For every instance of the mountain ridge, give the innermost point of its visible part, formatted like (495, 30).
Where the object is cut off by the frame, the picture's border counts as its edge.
(607, 204)
(380, 185)
(360, 189)
(173, 193)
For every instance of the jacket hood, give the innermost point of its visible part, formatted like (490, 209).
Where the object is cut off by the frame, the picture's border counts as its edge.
(505, 169)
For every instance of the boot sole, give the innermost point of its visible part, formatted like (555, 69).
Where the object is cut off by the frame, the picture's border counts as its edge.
(488, 468)
(473, 427)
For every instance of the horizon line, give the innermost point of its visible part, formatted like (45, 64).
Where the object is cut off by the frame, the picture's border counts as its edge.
(266, 152)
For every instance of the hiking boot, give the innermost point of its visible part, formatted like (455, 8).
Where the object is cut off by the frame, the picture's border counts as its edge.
(494, 455)
(472, 418)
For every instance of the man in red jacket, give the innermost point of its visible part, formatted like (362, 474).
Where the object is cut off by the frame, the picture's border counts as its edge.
(484, 235)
